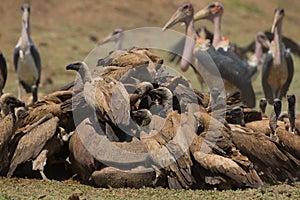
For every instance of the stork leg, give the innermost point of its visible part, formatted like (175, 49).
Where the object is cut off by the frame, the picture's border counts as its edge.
(34, 93)
(19, 91)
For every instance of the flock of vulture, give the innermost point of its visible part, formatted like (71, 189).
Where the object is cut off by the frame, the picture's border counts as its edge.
(130, 123)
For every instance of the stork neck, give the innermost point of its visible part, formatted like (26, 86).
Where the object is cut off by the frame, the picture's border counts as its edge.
(278, 44)
(25, 38)
(187, 56)
(119, 42)
(258, 52)
(217, 30)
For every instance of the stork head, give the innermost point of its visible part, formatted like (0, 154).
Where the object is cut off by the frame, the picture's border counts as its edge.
(209, 12)
(183, 14)
(278, 16)
(116, 35)
(263, 39)
(25, 15)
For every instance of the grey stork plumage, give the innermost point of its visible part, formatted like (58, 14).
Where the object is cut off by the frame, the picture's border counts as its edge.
(278, 67)
(230, 68)
(27, 59)
(3, 72)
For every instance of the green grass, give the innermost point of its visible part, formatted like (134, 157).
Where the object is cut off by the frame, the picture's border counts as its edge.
(14, 188)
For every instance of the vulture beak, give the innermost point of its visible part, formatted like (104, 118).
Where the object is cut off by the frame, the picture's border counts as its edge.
(15, 102)
(141, 113)
(176, 17)
(74, 66)
(279, 12)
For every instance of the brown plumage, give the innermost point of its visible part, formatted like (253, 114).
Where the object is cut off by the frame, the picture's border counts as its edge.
(271, 163)
(289, 142)
(107, 97)
(221, 166)
(50, 104)
(166, 152)
(291, 111)
(214, 151)
(116, 178)
(118, 66)
(8, 126)
(83, 163)
(133, 57)
(32, 141)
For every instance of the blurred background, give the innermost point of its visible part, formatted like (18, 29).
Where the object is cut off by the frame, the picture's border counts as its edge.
(66, 31)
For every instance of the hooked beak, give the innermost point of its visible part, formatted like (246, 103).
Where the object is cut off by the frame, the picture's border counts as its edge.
(176, 17)
(74, 66)
(16, 102)
(275, 21)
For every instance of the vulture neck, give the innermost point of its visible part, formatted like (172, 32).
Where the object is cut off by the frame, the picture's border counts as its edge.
(5, 109)
(12, 112)
(85, 74)
(278, 44)
(217, 30)
(187, 56)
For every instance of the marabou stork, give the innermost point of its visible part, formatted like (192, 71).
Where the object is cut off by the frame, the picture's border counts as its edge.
(27, 59)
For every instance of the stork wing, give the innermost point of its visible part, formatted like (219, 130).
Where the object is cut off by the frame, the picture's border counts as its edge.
(290, 66)
(288, 43)
(176, 51)
(265, 73)
(247, 70)
(230, 70)
(3, 68)
(16, 57)
(37, 60)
